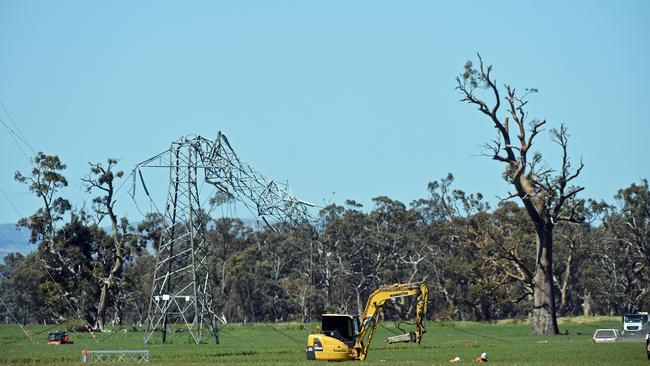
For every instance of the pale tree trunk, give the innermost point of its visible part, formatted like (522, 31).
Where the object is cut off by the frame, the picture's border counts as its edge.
(572, 241)
(117, 315)
(223, 277)
(101, 309)
(564, 290)
(303, 304)
(359, 303)
(586, 304)
(113, 275)
(106, 287)
(544, 311)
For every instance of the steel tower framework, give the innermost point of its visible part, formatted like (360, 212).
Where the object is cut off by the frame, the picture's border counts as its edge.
(181, 291)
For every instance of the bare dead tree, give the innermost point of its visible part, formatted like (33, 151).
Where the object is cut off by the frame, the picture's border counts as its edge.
(545, 193)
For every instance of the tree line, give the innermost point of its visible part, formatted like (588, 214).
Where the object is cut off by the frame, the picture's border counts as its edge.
(479, 261)
(542, 251)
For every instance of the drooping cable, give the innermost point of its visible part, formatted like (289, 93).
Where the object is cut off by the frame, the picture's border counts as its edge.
(56, 284)
(17, 322)
(20, 135)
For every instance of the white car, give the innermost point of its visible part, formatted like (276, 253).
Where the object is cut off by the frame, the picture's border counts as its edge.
(606, 336)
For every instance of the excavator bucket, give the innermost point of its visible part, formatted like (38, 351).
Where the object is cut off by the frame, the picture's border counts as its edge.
(402, 338)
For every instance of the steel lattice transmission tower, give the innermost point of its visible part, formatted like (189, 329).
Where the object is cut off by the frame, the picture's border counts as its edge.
(181, 291)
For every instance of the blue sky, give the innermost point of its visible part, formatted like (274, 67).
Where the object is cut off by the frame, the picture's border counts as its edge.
(344, 99)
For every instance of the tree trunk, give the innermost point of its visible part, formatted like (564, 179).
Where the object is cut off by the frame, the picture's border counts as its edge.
(586, 304)
(544, 311)
(303, 305)
(223, 276)
(117, 315)
(564, 290)
(359, 304)
(113, 275)
(567, 276)
(103, 297)
(101, 309)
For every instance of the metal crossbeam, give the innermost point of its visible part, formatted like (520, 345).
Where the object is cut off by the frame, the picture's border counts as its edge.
(270, 199)
(114, 356)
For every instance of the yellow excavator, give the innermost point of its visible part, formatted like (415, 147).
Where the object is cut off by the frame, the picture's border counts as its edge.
(345, 337)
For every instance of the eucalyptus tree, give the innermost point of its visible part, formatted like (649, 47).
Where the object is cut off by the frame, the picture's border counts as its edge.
(62, 264)
(633, 232)
(46, 182)
(20, 279)
(627, 237)
(456, 258)
(328, 263)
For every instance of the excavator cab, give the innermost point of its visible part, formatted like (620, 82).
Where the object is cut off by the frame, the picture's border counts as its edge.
(334, 338)
(340, 326)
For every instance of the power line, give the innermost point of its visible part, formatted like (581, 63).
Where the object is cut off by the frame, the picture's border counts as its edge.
(22, 137)
(16, 320)
(7, 239)
(23, 338)
(13, 136)
(17, 138)
(63, 294)
(32, 334)
(475, 333)
(15, 210)
(283, 333)
(10, 203)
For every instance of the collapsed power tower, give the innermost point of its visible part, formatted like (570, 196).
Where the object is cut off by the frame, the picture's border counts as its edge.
(181, 287)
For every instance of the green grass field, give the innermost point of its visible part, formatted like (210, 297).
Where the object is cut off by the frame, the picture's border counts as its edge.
(506, 342)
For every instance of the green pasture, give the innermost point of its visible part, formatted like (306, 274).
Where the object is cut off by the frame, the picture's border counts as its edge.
(506, 342)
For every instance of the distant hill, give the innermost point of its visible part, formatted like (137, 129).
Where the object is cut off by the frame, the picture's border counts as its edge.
(13, 240)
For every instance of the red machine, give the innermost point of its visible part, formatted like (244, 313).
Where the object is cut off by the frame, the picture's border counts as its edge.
(58, 337)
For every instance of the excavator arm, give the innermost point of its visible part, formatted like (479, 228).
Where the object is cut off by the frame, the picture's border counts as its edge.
(374, 306)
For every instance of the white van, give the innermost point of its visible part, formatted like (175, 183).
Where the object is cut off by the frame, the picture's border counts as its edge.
(635, 323)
